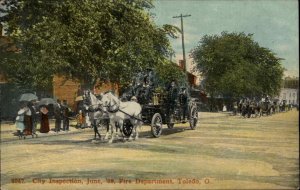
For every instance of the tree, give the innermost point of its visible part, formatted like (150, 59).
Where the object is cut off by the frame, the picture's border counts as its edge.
(234, 65)
(167, 72)
(84, 39)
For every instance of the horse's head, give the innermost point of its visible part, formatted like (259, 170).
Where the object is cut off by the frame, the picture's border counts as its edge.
(110, 102)
(91, 101)
(86, 97)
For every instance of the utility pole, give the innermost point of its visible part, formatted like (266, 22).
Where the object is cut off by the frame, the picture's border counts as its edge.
(182, 38)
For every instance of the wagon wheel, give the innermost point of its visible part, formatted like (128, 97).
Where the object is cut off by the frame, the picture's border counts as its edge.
(127, 128)
(156, 125)
(193, 117)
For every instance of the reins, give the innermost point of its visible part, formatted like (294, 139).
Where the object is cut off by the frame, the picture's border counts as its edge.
(100, 107)
(130, 115)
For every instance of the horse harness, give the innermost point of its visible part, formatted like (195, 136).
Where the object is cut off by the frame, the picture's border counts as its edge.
(118, 109)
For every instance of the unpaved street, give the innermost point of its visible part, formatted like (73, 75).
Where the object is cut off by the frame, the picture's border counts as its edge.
(224, 152)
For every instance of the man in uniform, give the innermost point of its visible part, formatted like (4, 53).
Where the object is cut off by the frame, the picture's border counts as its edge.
(149, 84)
(172, 97)
(183, 99)
(138, 84)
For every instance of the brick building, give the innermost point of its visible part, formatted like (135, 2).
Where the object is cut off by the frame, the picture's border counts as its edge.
(192, 79)
(69, 89)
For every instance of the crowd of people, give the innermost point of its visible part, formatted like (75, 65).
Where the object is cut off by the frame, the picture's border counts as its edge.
(256, 106)
(31, 113)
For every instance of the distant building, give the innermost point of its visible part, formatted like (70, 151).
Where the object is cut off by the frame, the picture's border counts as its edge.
(290, 95)
(290, 90)
(192, 79)
(291, 82)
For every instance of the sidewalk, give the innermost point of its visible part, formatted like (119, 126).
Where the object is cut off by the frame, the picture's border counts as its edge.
(8, 129)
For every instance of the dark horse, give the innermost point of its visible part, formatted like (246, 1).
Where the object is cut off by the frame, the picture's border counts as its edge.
(245, 109)
(265, 107)
(251, 108)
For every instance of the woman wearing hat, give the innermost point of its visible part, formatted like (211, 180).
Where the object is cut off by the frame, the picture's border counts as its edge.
(44, 120)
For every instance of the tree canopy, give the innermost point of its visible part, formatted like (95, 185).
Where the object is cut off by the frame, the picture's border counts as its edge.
(171, 72)
(234, 65)
(83, 39)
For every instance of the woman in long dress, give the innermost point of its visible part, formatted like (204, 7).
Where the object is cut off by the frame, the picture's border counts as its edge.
(44, 120)
(28, 122)
(20, 121)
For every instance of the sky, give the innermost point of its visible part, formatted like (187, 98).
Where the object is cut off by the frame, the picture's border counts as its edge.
(273, 23)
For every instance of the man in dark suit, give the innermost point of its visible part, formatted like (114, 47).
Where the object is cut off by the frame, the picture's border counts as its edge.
(183, 99)
(58, 115)
(172, 99)
(34, 113)
(65, 116)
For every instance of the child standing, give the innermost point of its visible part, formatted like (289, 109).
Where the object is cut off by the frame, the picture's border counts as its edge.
(80, 120)
(20, 121)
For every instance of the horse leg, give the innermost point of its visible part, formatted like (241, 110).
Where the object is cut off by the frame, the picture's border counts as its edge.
(259, 112)
(137, 127)
(112, 127)
(93, 125)
(119, 128)
(97, 132)
(109, 129)
(112, 134)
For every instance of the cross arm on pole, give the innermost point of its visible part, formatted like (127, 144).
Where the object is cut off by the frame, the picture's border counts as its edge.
(181, 16)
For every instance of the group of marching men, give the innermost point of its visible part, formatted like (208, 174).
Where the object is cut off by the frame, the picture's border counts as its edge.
(254, 107)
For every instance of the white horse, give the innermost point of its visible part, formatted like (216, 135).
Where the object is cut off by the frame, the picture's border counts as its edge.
(119, 112)
(93, 106)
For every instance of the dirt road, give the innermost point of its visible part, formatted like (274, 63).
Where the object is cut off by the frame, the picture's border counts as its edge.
(224, 152)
